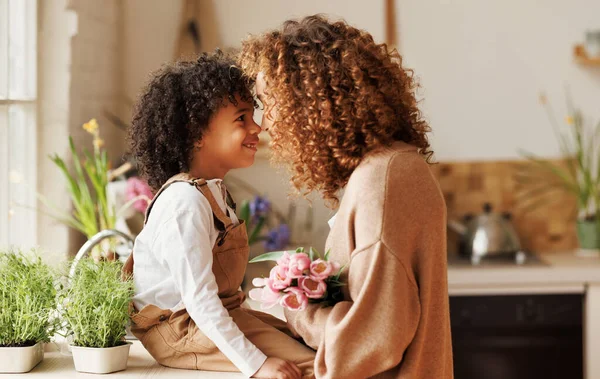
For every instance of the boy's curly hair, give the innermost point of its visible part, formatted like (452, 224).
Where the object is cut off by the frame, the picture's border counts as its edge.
(174, 109)
(339, 95)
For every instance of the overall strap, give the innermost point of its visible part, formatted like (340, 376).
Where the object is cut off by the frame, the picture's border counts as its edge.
(183, 177)
(127, 270)
(224, 220)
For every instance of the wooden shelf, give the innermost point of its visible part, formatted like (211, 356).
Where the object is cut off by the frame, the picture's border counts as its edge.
(582, 57)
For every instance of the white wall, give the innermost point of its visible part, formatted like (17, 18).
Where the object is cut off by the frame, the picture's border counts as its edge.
(149, 33)
(482, 65)
(235, 19)
(57, 26)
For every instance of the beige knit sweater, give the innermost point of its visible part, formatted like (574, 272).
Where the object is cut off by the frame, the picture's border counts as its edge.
(391, 232)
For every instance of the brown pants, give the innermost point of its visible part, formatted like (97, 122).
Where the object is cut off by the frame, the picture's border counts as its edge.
(174, 340)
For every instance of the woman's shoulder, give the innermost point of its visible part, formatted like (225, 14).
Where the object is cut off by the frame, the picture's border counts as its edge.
(392, 165)
(396, 178)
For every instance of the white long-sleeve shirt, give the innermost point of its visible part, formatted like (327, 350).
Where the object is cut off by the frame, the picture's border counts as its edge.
(173, 268)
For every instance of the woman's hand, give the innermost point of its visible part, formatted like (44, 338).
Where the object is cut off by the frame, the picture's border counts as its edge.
(278, 369)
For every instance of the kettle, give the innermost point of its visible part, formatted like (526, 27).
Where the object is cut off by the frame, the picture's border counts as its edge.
(488, 234)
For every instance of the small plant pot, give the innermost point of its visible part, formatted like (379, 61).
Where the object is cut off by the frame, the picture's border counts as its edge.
(20, 359)
(588, 234)
(100, 360)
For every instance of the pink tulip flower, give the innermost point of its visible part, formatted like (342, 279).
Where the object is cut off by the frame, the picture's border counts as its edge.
(314, 289)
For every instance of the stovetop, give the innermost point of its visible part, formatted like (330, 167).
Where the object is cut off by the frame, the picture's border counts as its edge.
(518, 259)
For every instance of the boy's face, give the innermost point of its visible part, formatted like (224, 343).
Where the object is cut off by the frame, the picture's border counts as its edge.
(231, 140)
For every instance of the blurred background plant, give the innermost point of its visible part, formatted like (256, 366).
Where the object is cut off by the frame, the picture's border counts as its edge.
(256, 214)
(94, 209)
(580, 177)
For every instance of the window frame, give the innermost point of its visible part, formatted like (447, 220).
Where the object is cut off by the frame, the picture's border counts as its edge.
(18, 122)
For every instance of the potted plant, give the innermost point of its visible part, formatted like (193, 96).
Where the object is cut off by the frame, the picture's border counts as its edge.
(580, 176)
(27, 310)
(95, 309)
(87, 183)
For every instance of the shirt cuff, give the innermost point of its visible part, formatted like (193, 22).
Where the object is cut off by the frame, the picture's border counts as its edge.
(254, 364)
(246, 357)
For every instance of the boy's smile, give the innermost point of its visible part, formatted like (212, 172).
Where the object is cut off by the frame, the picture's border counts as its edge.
(251, 142)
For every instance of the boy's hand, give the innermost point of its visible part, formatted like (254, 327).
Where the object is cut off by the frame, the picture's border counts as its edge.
(278, 369)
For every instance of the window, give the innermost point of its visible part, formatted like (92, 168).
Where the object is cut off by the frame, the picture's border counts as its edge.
(18, 125)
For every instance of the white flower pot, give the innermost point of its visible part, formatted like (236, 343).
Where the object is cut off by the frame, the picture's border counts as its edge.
(20, 359)
(101, 360)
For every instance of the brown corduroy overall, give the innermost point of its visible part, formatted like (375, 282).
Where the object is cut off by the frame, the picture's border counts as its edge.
(174, 340)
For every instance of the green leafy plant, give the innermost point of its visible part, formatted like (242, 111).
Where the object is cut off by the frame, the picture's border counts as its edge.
(580, 145)
(95, 304)
(27, 299)
(87, 187)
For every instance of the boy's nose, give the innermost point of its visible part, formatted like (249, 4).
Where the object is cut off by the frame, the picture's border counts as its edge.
(255, 128)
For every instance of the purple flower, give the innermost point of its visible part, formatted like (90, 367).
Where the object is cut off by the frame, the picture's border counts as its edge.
(260, 206)
(278, 238)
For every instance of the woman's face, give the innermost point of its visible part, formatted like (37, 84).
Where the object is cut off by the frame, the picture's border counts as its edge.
(269, 110)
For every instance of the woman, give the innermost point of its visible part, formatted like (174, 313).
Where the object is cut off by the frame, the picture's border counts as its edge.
(342, 114)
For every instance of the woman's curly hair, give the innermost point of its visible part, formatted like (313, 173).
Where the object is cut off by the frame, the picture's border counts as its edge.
(338, 95)
(174, 109)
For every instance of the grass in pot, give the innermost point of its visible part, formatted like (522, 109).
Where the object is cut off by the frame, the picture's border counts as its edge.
(95, 309)
(27, 310)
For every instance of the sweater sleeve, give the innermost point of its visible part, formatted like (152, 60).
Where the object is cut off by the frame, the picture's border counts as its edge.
(368, 328)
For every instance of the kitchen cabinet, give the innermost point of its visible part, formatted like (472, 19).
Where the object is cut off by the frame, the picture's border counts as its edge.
(556, 274)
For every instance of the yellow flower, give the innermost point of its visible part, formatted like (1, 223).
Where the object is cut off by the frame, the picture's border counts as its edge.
(91, 126)
(569, 120)
(98, 143)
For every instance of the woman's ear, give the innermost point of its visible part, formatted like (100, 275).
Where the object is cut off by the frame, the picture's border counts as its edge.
(199, 144)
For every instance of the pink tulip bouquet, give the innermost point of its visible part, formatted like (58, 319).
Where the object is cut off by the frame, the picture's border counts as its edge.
(298, 279)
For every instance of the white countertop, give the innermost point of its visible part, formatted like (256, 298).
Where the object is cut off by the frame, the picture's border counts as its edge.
(59, 365)
(557, 273)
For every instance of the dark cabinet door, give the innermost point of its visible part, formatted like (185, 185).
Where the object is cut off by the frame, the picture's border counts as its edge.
(514, 337)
